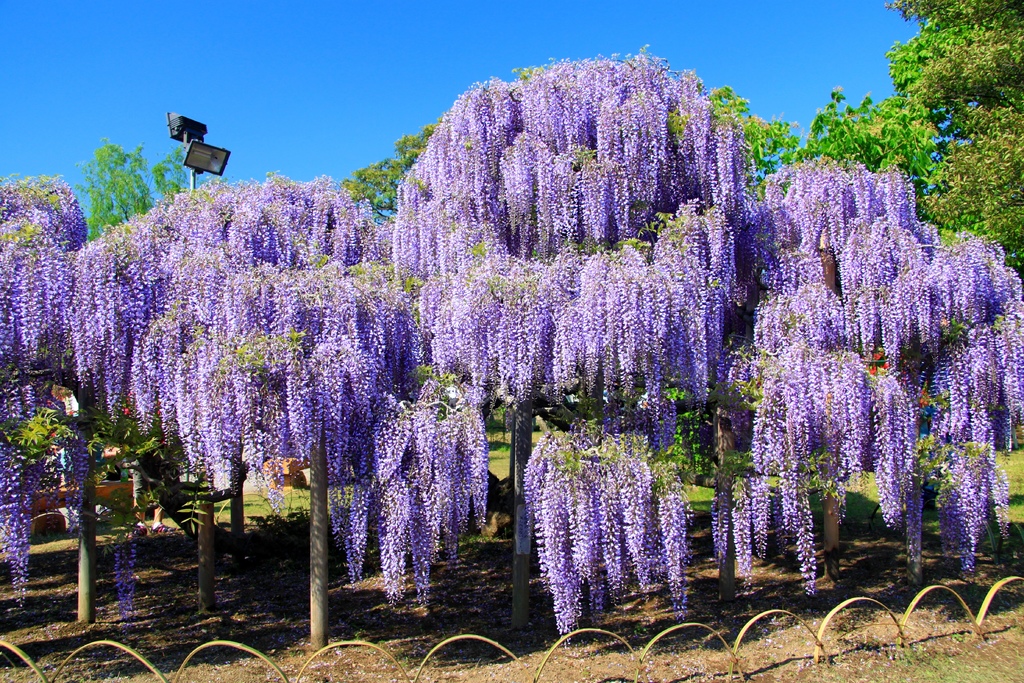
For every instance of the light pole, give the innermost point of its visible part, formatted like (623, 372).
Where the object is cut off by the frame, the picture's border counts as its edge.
(199, 156)
(203, 158)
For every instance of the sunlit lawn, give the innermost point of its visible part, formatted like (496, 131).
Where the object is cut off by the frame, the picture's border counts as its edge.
(861, 501)
(499, 443)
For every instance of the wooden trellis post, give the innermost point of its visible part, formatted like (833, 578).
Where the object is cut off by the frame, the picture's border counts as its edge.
(207, 557)
(87, 535)
(519, 453)
(725, 441)
(87, 554)
(319, 525)
(238, 502)
(915, 568)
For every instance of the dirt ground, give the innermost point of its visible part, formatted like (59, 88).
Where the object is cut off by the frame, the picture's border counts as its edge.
(265, 606)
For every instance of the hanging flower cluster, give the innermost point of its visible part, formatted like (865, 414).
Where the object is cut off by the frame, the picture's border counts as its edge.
(185, 253)
(900, 315)
(431, 476)
(578, 152)
(970, 479)
(39, 455)
(813, 425)
(640, 321)
(124, 577)
(494, 324)
(293, 350)
(601, 519)
(41, 227)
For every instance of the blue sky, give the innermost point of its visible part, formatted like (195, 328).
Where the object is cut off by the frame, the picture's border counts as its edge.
(317, 88)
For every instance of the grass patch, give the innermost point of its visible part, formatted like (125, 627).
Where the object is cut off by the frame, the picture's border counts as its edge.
(861, 497)
(499, 441)
(1013, 463)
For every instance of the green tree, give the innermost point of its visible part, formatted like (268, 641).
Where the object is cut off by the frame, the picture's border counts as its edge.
(895, 132)
(378, 182)
(966, 66)
(120, 184)
(169, 175)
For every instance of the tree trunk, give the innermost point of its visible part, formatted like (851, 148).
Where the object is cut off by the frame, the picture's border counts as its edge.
(829, 503)
(319, 525)
(207, 558)
(521, 447)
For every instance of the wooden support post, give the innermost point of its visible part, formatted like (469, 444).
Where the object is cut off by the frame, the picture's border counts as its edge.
(914, 510)
(915, 568)
(207, 557)
(830, 506)
(319, 526)
(521, 447)
(725, 441)
(87, 555)
(238, 500)
(87, 531)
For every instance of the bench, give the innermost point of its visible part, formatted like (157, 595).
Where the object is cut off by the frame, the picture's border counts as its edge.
(46, 519)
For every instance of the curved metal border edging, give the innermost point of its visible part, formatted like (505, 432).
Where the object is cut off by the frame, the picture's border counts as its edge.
(112, 643)
(925, 591)
(353, 643)
(987, 602)
(679, 627)
(464, 636)
(25, 658)
(231, 644)
(567, 636)
(976, 622)
(820, 647)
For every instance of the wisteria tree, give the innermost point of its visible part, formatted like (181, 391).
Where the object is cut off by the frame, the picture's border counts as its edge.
(532, 216)
(875, 333)
(41, 227)
(252, 324)
(582, 242)
(587, 232)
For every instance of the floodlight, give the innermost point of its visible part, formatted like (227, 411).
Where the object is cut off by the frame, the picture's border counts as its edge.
(199, 156)
(204, 158)
(184, 129)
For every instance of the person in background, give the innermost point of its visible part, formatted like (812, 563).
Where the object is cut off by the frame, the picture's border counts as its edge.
(141, 485)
